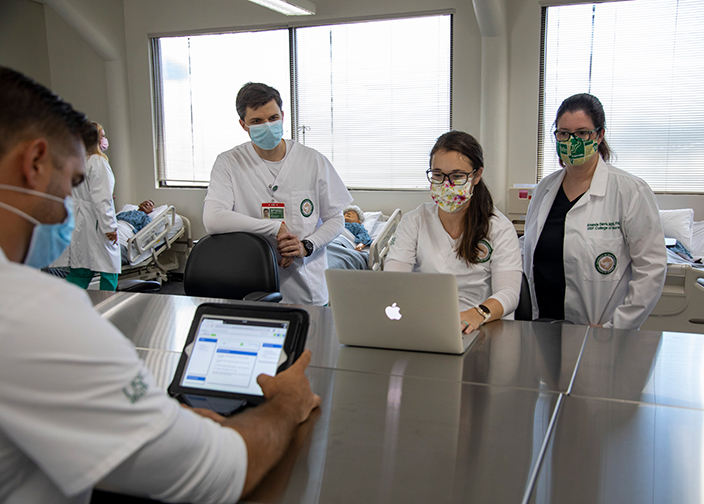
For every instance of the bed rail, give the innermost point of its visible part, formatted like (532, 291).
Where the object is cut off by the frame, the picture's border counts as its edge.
(381, 245)
(150, 235)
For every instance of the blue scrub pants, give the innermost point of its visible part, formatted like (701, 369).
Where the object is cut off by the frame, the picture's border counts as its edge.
(83, 276)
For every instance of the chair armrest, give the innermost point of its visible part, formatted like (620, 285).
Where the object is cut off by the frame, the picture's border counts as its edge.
(269, 297)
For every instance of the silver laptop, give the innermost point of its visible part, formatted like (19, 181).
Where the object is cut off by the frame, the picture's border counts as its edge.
(405, 311)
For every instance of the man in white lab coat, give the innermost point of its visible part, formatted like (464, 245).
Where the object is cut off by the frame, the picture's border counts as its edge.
(77, 405)
(281, 190)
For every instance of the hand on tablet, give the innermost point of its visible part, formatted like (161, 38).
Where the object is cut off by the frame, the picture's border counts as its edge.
(291, 390)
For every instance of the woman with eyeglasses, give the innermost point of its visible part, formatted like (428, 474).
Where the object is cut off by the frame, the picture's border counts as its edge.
(594, 250)
(461, 233)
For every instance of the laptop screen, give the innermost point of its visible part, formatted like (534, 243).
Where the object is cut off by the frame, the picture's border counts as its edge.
(229, 353)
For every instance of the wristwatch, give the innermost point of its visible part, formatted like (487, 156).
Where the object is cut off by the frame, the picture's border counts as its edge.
(308, 245)
(483, 311)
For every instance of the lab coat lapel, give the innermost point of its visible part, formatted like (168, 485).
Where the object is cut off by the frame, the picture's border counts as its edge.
(547, 202)
(597, 188)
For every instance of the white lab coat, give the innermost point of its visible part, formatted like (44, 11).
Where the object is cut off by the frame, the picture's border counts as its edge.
(94, 209)
(614, 248)
(310, 188)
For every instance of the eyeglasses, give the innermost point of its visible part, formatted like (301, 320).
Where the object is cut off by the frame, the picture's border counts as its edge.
(456, 178)
(562, 136)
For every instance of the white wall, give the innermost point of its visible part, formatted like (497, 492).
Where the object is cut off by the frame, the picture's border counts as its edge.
(524, 18)
(77, 72)
(23, 44)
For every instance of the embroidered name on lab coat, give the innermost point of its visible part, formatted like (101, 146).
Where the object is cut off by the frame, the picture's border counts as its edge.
(603, 226)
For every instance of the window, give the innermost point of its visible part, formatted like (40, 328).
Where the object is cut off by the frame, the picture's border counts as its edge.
(643, 60)
(197, 79)
(371, 96)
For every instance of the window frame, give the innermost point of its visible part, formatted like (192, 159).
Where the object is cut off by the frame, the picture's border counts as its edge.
(161, 178)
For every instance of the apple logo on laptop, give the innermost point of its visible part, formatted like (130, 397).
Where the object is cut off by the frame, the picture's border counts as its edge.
(393, 312)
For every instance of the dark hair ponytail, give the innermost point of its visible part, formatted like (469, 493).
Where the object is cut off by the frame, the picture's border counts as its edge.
(475, 226)
(476, 223)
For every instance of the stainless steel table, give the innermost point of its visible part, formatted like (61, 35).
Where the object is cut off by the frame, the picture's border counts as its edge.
(532, 412)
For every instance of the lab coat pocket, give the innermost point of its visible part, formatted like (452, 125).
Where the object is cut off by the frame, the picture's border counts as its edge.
(605, 260)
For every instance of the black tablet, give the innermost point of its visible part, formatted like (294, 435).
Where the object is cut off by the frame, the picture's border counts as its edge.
(228, 346)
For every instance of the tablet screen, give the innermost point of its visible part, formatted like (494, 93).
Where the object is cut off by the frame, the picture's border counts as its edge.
(230, 352)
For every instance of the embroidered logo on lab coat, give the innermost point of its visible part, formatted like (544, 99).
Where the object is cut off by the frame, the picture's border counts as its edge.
(485, 251)
(136, 389)
(306, 207)
(605, 263)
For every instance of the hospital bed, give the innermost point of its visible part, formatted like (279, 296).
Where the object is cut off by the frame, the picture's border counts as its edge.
(381, 228)
(160, 247)
(681, 304)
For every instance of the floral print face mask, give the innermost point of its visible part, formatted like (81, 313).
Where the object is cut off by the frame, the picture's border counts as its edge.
(451, 198)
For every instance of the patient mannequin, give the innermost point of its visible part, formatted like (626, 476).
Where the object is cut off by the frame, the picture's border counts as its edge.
(138, 218)
(353, 223)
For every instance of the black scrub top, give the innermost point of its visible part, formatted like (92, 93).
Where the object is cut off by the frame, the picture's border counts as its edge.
(548, 260)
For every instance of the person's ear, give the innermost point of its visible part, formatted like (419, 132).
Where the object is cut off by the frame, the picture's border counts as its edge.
(477, 175)
(600, 136)
(244, 126)
(36, 163)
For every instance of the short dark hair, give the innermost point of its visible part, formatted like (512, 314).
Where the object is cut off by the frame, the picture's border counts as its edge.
(28, 108)
(475, 226)
(255, 95)
(590, 105)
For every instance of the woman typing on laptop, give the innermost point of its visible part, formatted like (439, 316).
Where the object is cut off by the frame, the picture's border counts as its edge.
(461, 233)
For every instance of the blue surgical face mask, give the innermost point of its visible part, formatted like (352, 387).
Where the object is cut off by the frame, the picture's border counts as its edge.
(267, 135)
(48, 240)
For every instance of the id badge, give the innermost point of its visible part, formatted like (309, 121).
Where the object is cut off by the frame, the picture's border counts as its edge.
(275, 211)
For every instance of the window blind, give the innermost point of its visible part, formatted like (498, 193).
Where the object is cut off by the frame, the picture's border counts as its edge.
(374, 96)
(643, 60)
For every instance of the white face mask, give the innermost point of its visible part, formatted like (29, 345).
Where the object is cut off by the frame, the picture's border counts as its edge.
(449, 198)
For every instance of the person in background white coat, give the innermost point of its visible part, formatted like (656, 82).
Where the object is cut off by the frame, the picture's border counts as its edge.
(280, 189)
(462, 234)
(594, 249)
(94, 247)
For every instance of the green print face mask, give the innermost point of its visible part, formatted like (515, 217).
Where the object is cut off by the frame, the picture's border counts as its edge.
(576, 151)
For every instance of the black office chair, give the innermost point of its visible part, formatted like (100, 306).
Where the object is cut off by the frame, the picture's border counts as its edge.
(524, 310)
(233, 266)
(137, 285)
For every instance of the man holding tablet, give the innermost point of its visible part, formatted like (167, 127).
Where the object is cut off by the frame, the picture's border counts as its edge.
(77, 405)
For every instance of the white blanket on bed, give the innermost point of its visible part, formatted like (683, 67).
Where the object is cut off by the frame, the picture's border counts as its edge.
(125, 230)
